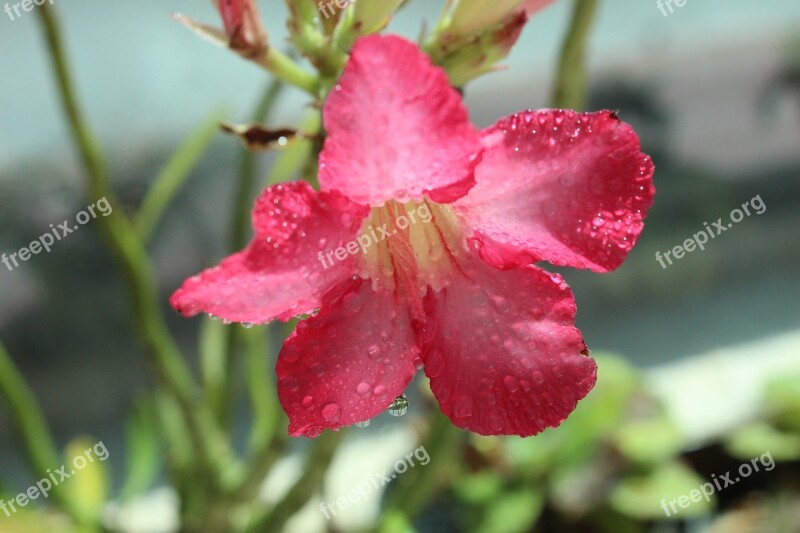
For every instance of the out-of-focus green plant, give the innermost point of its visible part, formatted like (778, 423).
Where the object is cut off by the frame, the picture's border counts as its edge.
(612, 453)
(777, 429)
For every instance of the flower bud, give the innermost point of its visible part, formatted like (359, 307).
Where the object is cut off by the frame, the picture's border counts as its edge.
(481, 53)
(243, 26)
(471, 16)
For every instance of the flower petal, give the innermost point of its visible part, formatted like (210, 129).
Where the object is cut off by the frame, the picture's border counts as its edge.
(502, 353)
(346, 364)
(396, 129)
(569, 188)
(279, 275)
(532, 6)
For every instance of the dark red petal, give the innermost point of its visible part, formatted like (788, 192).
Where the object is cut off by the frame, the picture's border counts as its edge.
(396, 129)
(501, 350)
(346, 364)
(279, 275)
(569, 188)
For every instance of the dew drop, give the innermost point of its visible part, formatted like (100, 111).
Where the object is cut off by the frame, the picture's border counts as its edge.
(374, 352)
(353, 302)
(331, 412)
(463, 407)
(363, 388)
(313, 431)
(363, 424)
(399, 406)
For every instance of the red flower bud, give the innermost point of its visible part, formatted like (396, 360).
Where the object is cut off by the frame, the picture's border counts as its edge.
(243, 26)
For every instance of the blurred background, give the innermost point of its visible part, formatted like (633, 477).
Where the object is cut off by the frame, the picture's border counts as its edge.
(699, 363)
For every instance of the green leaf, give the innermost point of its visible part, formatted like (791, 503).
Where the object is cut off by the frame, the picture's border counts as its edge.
(143, 460)
(174, 174)
(476, 489)
(88, 485)
(782, 401)
(597, 416)
(645, 497)
(515, 512)
(758, 438)
(396, 522)
(649, 441)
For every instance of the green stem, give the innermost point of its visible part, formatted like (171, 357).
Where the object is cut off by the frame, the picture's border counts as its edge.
(174, 174)
(247, 171)
(284, 68)
(570, 91)
(267, 441)
(38, 443)
(218, 341)
(419, 486)
(164, 356)
(312, 478)
(263, 394)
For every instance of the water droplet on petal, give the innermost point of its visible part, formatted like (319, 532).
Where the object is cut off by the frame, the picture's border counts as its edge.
(399, 406)
(363, 388)
(463, 407)
(313, 431)
(331, 412)
(363, 424)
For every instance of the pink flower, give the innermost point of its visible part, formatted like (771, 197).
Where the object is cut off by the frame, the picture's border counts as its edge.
(457, 296)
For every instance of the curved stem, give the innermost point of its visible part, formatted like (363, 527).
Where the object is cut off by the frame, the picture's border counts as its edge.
(39, 446)
(173, 175)
(570, 91)
(165, 357)
(218, 341)
(284, 68)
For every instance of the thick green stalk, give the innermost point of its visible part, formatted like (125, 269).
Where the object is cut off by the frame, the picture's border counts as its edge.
(570, 90)
(219, 342)
(122, 238)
